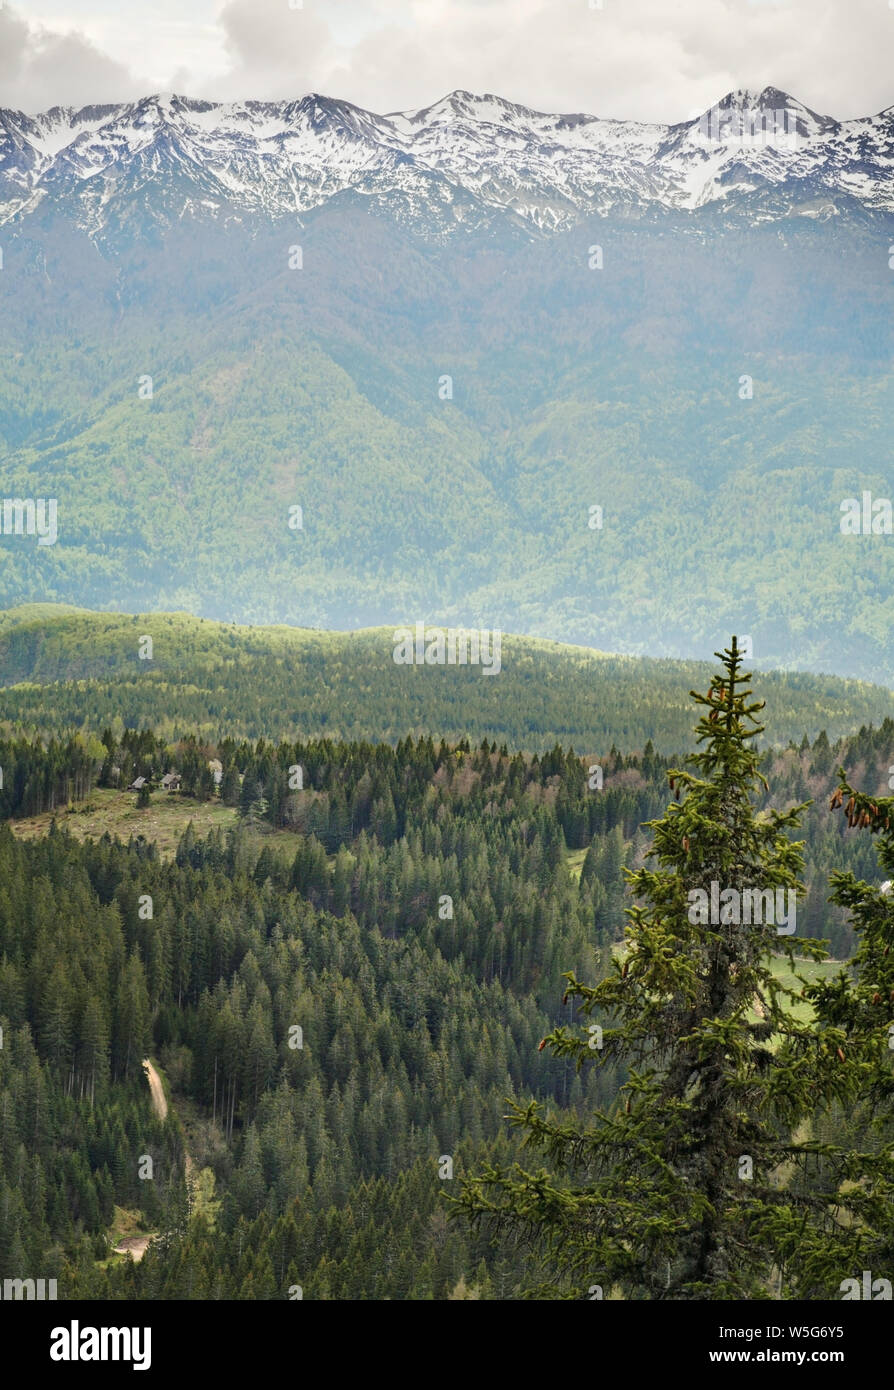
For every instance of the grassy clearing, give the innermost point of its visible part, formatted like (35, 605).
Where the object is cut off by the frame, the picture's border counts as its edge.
(116, 813)
(810, 970)
(575, 861)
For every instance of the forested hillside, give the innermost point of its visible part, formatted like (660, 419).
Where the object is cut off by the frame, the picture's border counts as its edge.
(330, 801)
(63, 669)
(447, 417)
(340, 1009)
(413, 1028)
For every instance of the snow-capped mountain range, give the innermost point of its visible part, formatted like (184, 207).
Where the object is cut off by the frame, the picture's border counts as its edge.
(460, 162)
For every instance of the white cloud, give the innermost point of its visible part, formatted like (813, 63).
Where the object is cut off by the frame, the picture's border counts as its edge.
(634, 58)
(41, 67)
(275, 53)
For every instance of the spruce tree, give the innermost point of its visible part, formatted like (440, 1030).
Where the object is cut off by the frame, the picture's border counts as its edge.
(690, 1185)
(860, 1000)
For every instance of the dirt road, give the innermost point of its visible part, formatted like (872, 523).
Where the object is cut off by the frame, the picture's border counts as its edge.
(136, 1246)
(159, 1104)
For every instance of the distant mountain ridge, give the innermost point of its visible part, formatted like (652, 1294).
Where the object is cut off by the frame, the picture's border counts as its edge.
(454, 164)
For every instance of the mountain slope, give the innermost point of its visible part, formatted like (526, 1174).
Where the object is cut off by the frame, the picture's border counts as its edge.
(466, 500)
(450, 165)
(701, 347)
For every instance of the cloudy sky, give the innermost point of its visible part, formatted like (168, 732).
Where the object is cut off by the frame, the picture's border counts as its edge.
(647, 59)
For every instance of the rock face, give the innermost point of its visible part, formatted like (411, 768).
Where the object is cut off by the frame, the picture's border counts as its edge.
(458, 164)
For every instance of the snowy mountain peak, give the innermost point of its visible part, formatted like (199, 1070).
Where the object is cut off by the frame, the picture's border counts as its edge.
(464, 106)
(748, 98)
(769, 109)
(459, 162)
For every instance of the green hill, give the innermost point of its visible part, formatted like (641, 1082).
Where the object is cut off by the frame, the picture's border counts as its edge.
(66, 668)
